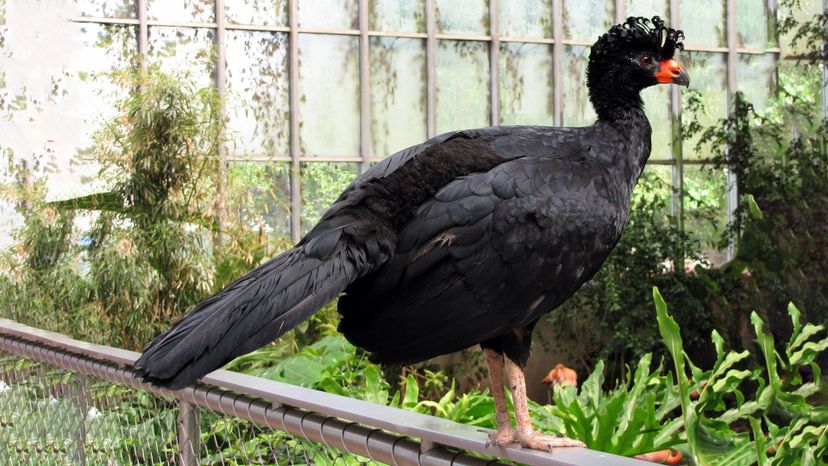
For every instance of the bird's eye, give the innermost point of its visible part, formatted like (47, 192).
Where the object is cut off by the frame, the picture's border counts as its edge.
(645, 60)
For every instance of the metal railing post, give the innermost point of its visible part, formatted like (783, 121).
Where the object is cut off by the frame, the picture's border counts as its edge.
(189, 434)
(82, 409)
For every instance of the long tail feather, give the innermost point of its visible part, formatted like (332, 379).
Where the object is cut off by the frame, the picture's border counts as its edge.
(253, 310)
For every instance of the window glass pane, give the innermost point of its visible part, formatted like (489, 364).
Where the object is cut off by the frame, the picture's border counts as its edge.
(705, 209)
(53, 94)
(526, 81)
(648, 8)
(577, 109)
(655, 187)
(329, 95)
(189, 11)
(322, 182)
(462, 85)
(397, 15)
(258, 99)
(657, 106)
(462, 16)
(107, 8)
(186, 51)
(709, 80)
(328, 14)
(259, 193)
(587, 20)
(703, 22)
(398, 94)
(756, 77)
(803, 10)
(752, 25)
(265, 12)
(525, 18)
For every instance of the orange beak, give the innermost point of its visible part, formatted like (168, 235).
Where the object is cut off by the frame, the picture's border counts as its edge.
(672, 72)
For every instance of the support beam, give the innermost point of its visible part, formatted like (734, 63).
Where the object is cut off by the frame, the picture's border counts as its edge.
(221, 87)
(189, 434)
(494, 61)
(364, 89)
(143, 34)
(293, 89)
(620, 11)
(825, 68)
(431, 68)
(732, 88)
(557, 65)
(677, 172)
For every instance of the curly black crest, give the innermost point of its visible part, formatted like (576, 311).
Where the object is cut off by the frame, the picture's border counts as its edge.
(639, 33)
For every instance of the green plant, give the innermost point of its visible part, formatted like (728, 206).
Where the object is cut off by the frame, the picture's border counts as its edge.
(751, 416)
(630, 419)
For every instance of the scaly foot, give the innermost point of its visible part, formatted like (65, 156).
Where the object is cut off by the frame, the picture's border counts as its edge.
(538, 441)
(535, 440)
(503, 436)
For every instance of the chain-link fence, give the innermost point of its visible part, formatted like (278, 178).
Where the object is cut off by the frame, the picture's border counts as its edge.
(54, 416)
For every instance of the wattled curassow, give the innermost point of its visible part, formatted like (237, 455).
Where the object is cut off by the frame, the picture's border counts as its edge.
(468, 238)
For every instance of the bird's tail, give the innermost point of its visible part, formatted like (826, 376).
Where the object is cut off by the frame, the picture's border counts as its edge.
(252, 311)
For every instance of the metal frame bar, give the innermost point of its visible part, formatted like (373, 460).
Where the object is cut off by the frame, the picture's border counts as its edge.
(143, 33)
(732, 87)
(221, 87)
(431, 68)
(334, 420)
(364, 89)
(557, 65)
(293, 90)
(677, 171)
(494, 62)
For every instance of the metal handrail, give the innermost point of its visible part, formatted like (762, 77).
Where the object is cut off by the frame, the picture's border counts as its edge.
(352, 425)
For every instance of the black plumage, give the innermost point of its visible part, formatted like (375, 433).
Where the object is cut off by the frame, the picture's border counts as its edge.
(468, 238)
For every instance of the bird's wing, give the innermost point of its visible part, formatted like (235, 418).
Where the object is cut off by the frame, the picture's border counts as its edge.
(354, 237)
(457, 261)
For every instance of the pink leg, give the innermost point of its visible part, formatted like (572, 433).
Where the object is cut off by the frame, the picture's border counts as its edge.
(505, 433)
(528, 437)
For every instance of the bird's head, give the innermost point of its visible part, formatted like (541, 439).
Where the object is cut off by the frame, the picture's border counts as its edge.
(634, 55)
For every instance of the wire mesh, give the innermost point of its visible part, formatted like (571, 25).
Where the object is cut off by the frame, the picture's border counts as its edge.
(53, 416)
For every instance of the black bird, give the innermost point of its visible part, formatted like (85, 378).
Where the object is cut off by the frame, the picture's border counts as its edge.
(468, 238)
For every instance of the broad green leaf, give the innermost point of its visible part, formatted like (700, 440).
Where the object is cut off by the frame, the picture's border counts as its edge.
(639, 385)
(721, 366)
(807, 332)
(806, 390)
(591, 388)
(671, 336)
(765, 342)
(759, 441)
(718, 343)
(412, 392)
(439, 410)
(753, 207)
(298, 370)
(731, 380)
(672, 339)
(808, 352)
(664, 436)
(795, 314)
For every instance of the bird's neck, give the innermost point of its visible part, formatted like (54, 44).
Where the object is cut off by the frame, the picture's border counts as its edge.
(613, 102)
(626, 131)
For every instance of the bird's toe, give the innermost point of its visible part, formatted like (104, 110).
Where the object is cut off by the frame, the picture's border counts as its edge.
(502, 437)
(538, 441)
